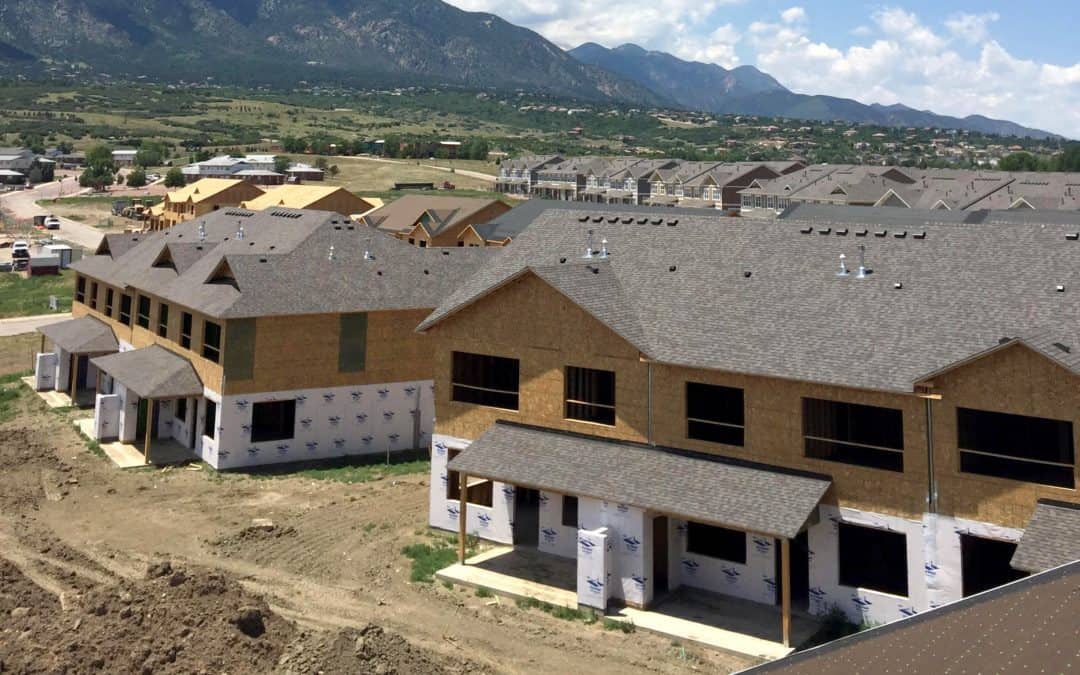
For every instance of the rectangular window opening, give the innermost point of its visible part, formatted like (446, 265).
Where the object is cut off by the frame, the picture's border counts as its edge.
(210, 424)
(163, 320)
(873, 559)
(480, 492)
(1016, 447)
(850, 433)
(715, 413)
(142, 317)
(491, 381)
(185, 330)
(590, 395)
(716, 542)
(570, 511)
(273, 421)
(125, 309)
(211, 341)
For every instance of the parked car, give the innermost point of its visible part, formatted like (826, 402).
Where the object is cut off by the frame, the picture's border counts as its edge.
(52, 223)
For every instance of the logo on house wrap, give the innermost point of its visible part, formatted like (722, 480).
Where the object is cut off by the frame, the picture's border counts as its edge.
(306, 423)
(586, 546)
(444, 479)
(508, 491)
(410, 390)
(282, 448)
(224, 453)
(356, 394)
(452, 512)
(908, 611)
(550, 535)
(731, 575)
(361, 418)
(762, 545)
(596, 586)
(440, 448)
(770, 584)
(388, 415)
(334, 420)
(862, 605)
(339, 443)
(485, 520)
(394, 438)
(366, 440)
(690, 566)
(931, 569)
(544, 500)
(639, 581)
(253, 450)
(632, 544)
(312, 446)
(242, 404)
(622, 508)
(680, 530)
(300, 398)
(246, 428)
(383, 393)
(328, 397)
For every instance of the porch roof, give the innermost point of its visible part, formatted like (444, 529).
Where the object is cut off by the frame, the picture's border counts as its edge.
(152, 372)
(1051, 539)
(699, 487)
(85, 335)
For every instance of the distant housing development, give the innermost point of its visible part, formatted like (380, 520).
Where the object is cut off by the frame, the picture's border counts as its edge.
(758, 187)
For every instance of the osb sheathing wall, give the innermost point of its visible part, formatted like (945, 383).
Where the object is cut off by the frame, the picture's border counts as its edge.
(532, 322)
(301, 352)
(529, 321)
(1013, 380)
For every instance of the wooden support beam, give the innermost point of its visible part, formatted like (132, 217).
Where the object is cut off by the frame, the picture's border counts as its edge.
(785, 597)
(149, 427)
(463, 505)
(74, 377)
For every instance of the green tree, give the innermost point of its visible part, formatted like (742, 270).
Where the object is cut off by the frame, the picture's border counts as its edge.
(334, 170)
(65, 147)
(174, 178)
(321, 163)
(151, 153)
(100, 156)
(281, 163)
(35, 176)
(137, 177)
(97, 177)
(1069, 159)
(294, 144)
(1019, 161)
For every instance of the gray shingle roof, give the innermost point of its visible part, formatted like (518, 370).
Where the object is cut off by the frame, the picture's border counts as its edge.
(1051, 539)
(85, 335)
(713, 490)
(282, 265)
(1028, 625)
(152, 372)
(964, 288)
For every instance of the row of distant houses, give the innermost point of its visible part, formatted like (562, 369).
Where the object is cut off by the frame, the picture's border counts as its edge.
(256, 169)
(17, 164)
(773, 186)
(875, 418)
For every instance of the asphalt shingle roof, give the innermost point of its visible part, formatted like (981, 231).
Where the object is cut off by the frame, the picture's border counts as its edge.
(712, 490)
(282, 266)
(85, 335)
(764, 298)
(1051, 538)
(152, 372)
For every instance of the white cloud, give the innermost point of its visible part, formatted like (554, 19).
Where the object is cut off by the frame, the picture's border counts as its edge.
(971, 28)
(793, 15)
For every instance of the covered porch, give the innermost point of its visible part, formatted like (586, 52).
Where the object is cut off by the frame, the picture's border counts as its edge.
(648, 529)
(66, 376)
(149, 401)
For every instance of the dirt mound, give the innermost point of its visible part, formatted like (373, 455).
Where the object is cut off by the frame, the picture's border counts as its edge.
(370, 649)
(234, 544)
(174, 621)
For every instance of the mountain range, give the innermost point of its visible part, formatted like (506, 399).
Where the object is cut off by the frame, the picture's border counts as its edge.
(399, 42)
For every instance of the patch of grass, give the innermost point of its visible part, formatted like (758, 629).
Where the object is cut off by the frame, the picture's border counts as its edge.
(92, 445)
(368, 527)
(834, 626)
(484, 593)
(448, 585)
(620, 626)
(586, 616)
(12, 378)
(343, 470)
(8, 396)
(97, 200)
(27, 297)
(427, 559)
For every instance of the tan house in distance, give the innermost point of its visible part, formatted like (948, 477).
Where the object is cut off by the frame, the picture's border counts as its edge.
(314, 197)
(439, 221)
(200, 198)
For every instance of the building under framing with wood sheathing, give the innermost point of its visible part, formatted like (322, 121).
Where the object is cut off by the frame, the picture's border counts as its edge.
(862, 417)
(256, 337)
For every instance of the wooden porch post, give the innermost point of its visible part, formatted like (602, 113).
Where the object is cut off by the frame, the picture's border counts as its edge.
(149, 426)
(42, 350)
(74, 377)
(785, 598)
(463, 505)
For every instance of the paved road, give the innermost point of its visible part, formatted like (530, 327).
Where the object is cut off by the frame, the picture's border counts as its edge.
(28, 324)
(463, 172)
(21, 204)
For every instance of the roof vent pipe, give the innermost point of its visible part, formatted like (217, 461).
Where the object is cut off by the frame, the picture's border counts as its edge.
(202, 232)
(862, 263)
(240, 232)
(843, 267)
(368, 256)
(588, 246)
(331, 256)
(603, 248)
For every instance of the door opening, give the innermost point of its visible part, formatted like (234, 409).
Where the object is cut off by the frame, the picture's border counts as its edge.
(984, 563)
(526, 516)
(799, 572)
(660, 556)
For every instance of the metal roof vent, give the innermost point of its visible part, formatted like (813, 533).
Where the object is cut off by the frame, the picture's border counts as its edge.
(806, 230)
(588, 246)
(603, 248)
(202, 232)
(842, 232)
(240, 232)
(368, 256)
(1072, 236)
(861, 233)
(1065, 348)
(919, 235)
(1060, 288)
(843, 267)
(898, 285)
(863, 272)
(825, 230)
(881, 233)
(597, 219)
(901, 234)
(583, 219)
(331, 255)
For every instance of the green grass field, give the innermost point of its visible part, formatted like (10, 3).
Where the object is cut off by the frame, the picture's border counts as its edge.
(27, 297)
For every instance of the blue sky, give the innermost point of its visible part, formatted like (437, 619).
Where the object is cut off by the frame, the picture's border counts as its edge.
(1016, 61)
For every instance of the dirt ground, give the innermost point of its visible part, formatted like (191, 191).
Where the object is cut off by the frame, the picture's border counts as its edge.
(178, 571)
